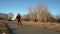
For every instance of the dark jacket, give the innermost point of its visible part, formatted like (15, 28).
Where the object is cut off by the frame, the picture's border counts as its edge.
(18, 17)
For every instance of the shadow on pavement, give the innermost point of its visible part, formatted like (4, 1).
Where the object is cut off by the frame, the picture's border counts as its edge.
(10, 30)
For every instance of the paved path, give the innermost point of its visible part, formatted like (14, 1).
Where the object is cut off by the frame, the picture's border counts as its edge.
(25, 29)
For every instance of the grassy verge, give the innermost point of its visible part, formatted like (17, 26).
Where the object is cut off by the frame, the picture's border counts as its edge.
(3, 29)
(45, 25)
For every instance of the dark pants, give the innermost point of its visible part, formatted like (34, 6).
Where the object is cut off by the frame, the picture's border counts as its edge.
(19, 22)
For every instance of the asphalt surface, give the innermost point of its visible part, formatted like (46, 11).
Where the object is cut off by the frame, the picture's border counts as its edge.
(27, 29)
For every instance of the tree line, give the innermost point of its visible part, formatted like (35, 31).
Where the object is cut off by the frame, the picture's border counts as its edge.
(40, 13)
(8, 16)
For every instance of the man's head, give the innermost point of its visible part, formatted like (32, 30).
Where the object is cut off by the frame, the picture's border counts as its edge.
(18, 13)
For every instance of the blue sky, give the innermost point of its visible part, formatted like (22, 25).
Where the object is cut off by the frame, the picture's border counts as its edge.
(15, 6)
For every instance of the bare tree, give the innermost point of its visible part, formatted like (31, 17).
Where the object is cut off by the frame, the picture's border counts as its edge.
(10, 16)
(36, 13)
(3, 16)
(25, 17)
(39, 13)
(30, 14)
(58, 18)
(44, 14)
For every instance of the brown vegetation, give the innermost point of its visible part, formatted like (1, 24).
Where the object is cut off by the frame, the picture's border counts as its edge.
(3, 29)
(39, 13)
(44, 25)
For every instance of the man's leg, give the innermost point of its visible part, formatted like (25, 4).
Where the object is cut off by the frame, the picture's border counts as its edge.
(20, 23)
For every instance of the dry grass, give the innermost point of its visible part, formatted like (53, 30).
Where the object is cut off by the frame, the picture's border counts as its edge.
(50, 26)
(3, 29)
